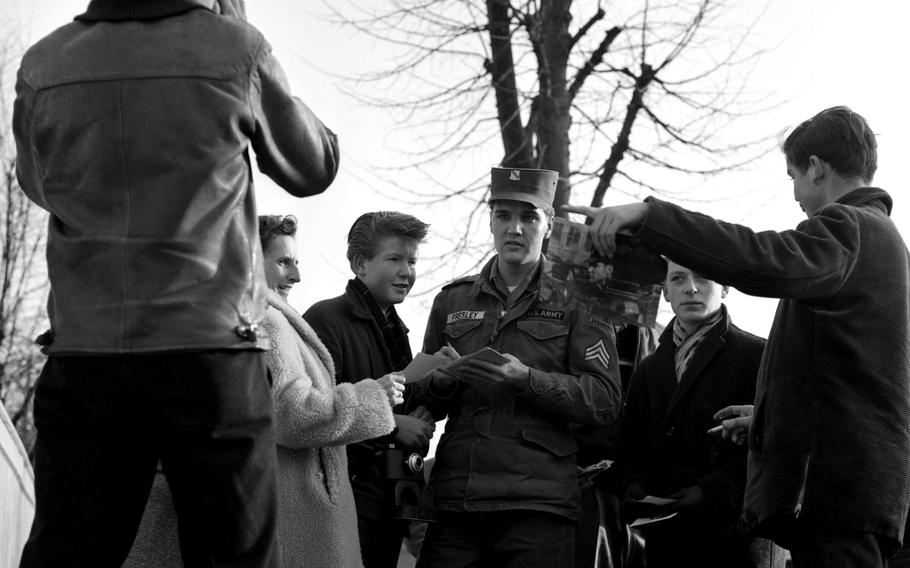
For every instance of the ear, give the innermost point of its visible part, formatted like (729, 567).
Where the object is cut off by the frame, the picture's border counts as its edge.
(723, 291)
(666, 294)
(357, 266)
(549, 227)
(817, 169)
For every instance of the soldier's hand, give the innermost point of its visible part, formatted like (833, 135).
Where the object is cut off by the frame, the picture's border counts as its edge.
(448, 351)
(513, 372)
(610, 220)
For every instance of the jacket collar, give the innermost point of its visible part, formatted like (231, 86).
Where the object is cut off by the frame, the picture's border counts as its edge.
(305, 332)
(123, 10)
(485, 282)
(360, 308)
(872, 196)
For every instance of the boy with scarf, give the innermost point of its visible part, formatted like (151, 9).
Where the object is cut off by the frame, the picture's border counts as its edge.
(704, 362)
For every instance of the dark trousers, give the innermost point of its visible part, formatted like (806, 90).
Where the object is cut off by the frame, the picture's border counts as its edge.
(688, 540)
(506, 539)
(814, 546)
(104, 423)
(380, 541)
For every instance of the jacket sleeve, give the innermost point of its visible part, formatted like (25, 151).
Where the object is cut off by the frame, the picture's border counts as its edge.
(26, 168)
(292, 145)
(811, 261)
(590, 391)
(309, 415)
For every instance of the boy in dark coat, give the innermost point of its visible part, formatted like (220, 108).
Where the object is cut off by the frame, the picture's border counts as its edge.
(829, 446)
(703, 363)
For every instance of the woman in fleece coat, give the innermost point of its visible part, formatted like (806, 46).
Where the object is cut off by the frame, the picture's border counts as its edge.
(314, 419)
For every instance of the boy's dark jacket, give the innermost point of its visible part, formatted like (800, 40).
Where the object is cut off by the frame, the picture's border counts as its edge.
(664, 441)
(348, 330)
(830, 441)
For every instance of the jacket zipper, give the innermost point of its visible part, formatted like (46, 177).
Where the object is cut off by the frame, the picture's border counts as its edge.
(797, 509)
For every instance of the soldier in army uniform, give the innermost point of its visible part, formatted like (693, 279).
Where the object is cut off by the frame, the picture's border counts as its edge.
(505, 471)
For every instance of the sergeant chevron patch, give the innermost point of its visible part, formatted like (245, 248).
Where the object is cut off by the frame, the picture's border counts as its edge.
(598, 352)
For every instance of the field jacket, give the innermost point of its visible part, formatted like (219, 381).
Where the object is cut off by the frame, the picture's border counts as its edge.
(508, 447)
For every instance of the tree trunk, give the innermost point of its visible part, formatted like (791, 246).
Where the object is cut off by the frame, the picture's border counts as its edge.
(502, 69)
(552, 43)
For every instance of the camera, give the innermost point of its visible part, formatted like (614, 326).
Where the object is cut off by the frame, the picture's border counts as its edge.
(403, 469)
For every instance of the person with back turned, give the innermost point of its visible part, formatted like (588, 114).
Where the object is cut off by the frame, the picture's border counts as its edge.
(133, 126)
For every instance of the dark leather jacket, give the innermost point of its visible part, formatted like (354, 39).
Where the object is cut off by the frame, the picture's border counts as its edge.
(135, 134)
(508, 447)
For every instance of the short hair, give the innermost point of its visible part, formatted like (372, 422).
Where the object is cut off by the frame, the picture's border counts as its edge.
(839, 137)
(363, 238)
(548, 210)
(271, 226)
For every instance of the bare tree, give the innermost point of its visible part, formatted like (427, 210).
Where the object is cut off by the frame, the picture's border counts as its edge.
(624, 96)
(23, 279)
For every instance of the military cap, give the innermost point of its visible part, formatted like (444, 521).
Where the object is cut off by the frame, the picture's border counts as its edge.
(537, 187)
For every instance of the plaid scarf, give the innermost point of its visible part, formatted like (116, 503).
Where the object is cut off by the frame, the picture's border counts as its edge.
(394, 337)
(687, 343)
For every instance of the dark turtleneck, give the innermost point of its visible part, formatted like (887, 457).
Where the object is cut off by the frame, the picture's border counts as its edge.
(122, 10)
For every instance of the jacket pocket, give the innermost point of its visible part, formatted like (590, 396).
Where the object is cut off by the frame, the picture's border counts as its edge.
(559, 444)
(329, 471)
(543, 330)
(458, 330)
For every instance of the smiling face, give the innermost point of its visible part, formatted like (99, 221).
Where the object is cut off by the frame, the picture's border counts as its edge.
(519, 230)
(391, 273)
(280, 261)
(692, 297)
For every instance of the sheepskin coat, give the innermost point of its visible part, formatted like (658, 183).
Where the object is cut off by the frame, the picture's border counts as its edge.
(314, 419)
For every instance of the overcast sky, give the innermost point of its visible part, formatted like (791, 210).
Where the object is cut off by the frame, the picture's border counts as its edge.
(828, 52)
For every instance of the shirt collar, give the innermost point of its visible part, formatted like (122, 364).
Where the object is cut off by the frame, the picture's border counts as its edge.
(123, 10)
